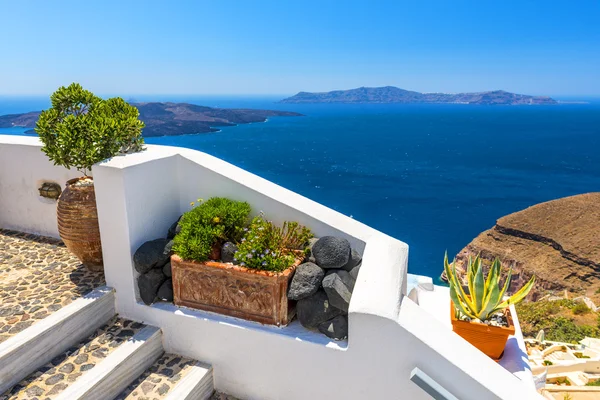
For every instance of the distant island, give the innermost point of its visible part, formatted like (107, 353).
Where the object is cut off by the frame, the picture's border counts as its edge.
(170, 119)
(391, 94)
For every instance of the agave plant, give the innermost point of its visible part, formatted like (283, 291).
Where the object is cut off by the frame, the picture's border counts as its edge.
(485, 297)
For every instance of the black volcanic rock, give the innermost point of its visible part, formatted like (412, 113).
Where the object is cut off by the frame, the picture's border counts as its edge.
(337, 328)
(331, 252)
(149, 283)
(168, 271)
(169, 119)
(173, 229)
(315, 310)
(391, 94)
(228, 251)
(150, 255)
(339, 285)
(165, 291)
(306, 281)
(355, 259)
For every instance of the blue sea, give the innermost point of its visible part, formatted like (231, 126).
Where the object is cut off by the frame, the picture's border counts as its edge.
(433, 176)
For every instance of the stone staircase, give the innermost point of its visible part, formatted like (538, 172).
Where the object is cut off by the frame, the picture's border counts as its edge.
(560, 356)
(577, 378)
(85, 351)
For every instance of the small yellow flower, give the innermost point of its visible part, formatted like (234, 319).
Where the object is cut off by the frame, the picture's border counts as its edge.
(216, 220)
(192, 204)
(200, 200)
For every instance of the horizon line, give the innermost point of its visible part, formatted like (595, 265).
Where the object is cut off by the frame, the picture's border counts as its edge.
(25, 95)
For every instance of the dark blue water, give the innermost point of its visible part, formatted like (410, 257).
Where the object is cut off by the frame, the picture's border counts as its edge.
(434, 176)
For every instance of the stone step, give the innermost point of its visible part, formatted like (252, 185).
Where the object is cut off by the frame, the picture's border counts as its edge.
(119, 368)
(76, 363)
(22, 354)
(171, 377)
(577, 378)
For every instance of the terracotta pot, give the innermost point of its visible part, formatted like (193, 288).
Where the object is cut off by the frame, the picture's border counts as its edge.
(78, 224)
(232, 290)
(491, 340)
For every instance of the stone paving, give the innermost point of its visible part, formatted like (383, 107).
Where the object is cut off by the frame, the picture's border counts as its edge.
(63, 370)
(38, 276)
(159, 379)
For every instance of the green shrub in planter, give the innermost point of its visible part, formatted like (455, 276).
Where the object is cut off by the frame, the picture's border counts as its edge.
(208, 224)
(81, 129)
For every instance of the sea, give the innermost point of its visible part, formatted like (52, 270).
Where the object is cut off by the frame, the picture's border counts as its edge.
(433, 176)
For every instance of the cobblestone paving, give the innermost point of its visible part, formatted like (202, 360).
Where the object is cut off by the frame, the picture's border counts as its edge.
(38, 276)
(54, 377)
(159, 379)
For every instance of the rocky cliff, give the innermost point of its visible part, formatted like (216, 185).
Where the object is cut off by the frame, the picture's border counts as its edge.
(558, 241)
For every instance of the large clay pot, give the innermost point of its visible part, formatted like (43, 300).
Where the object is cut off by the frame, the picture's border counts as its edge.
(78, 223)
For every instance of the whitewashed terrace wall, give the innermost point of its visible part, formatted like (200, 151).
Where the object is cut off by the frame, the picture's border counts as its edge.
(23, 169)
(140, 195)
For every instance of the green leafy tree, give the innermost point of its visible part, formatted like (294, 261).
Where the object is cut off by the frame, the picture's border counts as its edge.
(81, 129)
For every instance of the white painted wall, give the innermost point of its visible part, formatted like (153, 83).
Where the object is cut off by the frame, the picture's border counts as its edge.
(588, 366)
(23, 169)
(140, 195)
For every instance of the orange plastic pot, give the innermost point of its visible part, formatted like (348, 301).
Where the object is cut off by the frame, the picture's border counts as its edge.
(491, 340)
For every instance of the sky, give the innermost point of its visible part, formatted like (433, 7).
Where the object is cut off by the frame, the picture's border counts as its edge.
(261, 47)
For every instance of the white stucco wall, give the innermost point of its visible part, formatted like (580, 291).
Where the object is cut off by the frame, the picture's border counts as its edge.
(140, 195)
(23, 169)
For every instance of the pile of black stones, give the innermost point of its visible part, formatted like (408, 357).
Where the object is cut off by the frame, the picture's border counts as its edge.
(322, 286)
(153, 261)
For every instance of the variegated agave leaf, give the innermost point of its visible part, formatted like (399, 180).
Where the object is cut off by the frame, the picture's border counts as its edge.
(485, 296)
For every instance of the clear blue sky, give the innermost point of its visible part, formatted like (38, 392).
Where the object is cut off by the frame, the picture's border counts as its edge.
(282, 47)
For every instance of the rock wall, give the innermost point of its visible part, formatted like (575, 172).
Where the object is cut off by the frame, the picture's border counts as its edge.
(558, 241)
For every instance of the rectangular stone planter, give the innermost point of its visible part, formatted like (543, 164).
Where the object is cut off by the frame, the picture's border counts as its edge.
(490, 339)
(232, 290)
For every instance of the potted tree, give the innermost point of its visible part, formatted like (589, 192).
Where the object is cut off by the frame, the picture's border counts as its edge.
(480, 314)
(78, 131)
(254, 284)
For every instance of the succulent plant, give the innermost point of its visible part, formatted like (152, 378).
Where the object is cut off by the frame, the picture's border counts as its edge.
(485, 297)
